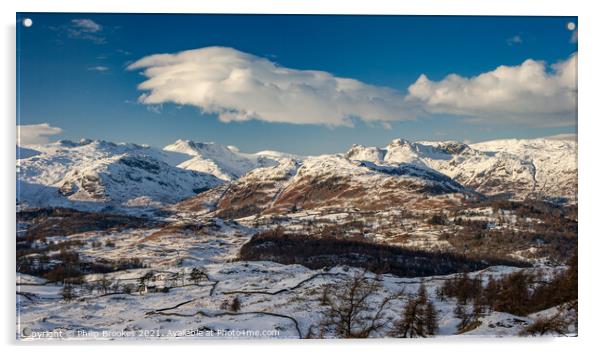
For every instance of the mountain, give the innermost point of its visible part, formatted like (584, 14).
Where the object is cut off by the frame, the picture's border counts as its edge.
(224, 162)
(518, 169)
(328, 181)
(23, 152)
(248, 195)
(96, 174)
(554, 164)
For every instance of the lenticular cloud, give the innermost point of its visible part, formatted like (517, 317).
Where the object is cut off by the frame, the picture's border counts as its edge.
(238, 86)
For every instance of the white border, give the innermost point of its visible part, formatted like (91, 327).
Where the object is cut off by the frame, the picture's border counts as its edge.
(590, 158)
(423, 7)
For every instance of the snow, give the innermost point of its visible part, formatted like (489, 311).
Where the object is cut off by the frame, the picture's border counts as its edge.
(97, 174)
(554, 162)
(224, 162)
(530, 168)
(23, 152)
(277, 301)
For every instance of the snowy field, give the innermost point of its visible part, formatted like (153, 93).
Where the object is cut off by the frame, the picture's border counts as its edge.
(277, 301)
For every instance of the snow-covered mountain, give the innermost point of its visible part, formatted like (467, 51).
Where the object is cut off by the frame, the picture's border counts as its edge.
(98, 174)
(23, 152)
(537, 168)
(328, 181)
(251, 194)
(224, 162)
(554, 163)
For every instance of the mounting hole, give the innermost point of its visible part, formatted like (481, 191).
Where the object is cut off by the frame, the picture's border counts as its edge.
(571, 26)
(27, 22)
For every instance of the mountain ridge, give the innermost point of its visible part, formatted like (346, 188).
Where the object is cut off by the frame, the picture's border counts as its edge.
(519, 169)
(91, 173)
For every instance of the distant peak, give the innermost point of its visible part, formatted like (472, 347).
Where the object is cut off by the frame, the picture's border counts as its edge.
(181, 141)
(399, 142)
(452, 147)
(68, 143)
(81, 142)
(355, 147)
(184, 143)
(191, 143)
(205, 149)
(100, 144)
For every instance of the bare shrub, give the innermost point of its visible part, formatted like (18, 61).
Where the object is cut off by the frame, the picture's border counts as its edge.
(233, 305)
(68, 293)
(198, 275)
(557, 324)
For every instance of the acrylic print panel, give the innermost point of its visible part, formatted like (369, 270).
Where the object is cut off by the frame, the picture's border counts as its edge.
(273, 176)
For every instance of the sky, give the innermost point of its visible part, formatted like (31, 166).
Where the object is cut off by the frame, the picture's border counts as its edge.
(299, 84)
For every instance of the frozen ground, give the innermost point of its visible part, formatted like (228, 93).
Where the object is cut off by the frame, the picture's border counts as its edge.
(277, 301)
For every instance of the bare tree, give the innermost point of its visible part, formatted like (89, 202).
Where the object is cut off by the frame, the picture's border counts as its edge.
(546, 325)
(466, 318)
(142, 282)
(356, 308)
(563, 322)
(67, 293)
(104, 283)
(235, 305)
(115, 286)
(419, 317)
(431, 319)
(197, 275)
(127, 288)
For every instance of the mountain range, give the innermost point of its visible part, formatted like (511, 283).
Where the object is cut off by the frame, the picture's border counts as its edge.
(96, 174)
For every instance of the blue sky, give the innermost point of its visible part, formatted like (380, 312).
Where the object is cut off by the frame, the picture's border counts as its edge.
(73, 75)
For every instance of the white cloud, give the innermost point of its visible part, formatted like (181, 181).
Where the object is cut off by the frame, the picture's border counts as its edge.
(31, 134)
(99, 68)
(531, 93)
(238, 86)
(514, 40)
(86, 25)
(87, 29)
